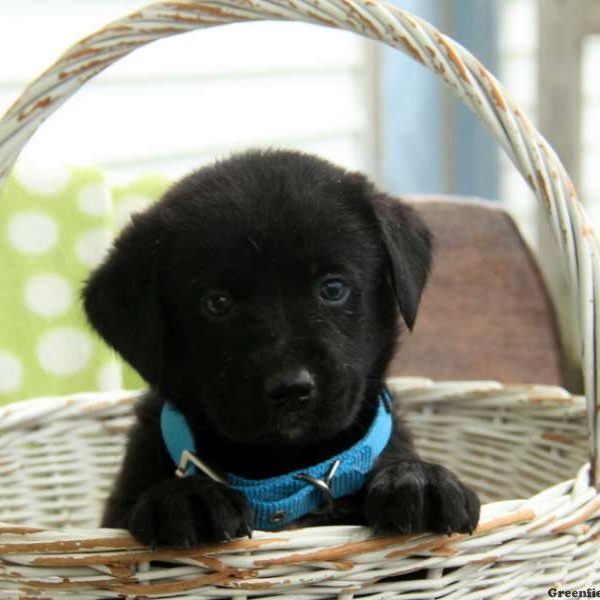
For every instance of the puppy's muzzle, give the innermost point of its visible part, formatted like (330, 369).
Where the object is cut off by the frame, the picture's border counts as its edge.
(290, 387)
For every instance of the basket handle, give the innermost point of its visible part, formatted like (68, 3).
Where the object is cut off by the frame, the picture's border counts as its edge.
(460, 70)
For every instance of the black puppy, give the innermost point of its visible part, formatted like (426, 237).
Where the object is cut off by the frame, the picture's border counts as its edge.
(259, 298)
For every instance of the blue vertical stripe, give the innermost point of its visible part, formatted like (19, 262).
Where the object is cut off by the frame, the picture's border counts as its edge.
(411, 119)
(430, 142)
(475, 26)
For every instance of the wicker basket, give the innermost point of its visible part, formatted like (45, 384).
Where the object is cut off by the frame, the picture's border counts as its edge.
(58, 455)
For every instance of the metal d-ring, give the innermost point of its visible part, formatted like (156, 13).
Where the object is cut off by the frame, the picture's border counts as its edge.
(187, 457)
(323, 486)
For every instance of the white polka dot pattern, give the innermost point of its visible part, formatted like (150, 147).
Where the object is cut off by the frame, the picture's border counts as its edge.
(55, 225)
(42, 179)
(11, 372)
(48, 295)
(32, 232)
(92, 246)
(94, 200)
(109, 376)
(64, 350)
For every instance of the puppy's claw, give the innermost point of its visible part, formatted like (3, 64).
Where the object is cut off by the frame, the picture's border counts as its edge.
(414, 497)
(194, 511)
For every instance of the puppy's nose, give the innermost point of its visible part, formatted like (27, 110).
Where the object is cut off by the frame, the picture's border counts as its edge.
(294, 385)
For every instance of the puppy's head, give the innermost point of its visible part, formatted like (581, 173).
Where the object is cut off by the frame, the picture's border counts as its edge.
(262, 294)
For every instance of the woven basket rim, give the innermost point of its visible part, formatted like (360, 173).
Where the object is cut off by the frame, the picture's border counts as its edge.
(503, 523)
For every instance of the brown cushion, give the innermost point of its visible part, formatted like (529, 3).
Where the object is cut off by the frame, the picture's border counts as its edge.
(485, 313)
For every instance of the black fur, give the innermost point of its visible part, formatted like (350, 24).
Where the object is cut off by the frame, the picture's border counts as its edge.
(287, 377)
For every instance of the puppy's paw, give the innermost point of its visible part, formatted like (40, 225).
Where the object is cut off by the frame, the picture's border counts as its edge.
(414, 497)
(187, 512)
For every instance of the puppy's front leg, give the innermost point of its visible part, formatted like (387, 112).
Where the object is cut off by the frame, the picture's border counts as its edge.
(407, 495)
(189, 511)
(160, 509)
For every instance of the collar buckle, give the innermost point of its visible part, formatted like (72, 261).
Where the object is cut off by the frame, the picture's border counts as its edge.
(323, 486)
(187, 457)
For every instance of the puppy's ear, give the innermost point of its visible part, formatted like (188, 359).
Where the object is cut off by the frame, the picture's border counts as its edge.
(122, 302)
(408, 242)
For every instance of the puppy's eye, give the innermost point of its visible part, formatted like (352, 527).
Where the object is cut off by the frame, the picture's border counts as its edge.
(334, 289)
(217, 304)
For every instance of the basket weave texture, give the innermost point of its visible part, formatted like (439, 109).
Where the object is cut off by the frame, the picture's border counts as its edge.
(524, 448)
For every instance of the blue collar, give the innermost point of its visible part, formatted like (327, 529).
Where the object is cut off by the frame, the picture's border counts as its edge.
(277, 501)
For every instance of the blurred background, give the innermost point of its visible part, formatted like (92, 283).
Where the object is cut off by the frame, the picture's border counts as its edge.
(184, 101)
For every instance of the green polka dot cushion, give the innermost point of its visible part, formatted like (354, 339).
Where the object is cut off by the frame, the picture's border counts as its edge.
(55, 225)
